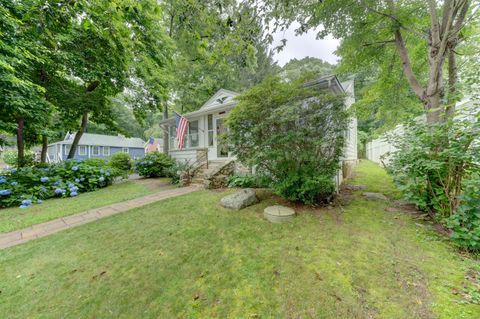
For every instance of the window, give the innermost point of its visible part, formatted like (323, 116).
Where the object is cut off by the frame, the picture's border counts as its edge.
(67, 149)
(210, 130)
(125, 150)
(82, 150)
(106, 151)
(193, 134)
(95, 150)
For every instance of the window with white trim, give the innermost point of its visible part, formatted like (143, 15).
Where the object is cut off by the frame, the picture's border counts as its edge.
(95, 150)
(125, 150)
(82, 150)
(106, 151)
(66, 149)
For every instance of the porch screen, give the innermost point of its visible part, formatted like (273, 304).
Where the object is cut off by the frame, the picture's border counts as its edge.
(193, 134)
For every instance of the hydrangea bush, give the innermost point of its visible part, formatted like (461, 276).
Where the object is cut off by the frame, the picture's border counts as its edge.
(154, 164)
(29, 185)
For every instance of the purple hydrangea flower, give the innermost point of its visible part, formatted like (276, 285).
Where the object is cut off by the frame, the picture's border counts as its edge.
(77, 180)
(56, 183)
(2, 180)
(44, 179)
(13, 171)
(102, 171)
(39, 201)
(59, 191)
(26, 202)
(5, 192)
(14, 183)
(101, 178)
(23, 206)
(75, 168)
(43, 189)
(82, 179)
(70, 185)
(107, 174)
(73, 194)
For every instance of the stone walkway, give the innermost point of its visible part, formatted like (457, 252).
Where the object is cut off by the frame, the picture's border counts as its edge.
(54, 226)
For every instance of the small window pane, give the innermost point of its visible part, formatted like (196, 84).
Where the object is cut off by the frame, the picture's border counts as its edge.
(210, 122)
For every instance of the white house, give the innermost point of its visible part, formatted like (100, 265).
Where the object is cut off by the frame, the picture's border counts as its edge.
(207, 124)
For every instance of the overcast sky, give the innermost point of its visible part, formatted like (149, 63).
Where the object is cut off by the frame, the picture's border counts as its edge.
(304, 45)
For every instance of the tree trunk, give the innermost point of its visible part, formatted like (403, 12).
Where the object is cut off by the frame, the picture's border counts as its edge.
(79, 134)
(43, 154)
(452, 82)
(20, 142)
(165, 131)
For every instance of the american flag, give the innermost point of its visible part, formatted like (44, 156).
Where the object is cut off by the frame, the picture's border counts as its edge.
(181, 124)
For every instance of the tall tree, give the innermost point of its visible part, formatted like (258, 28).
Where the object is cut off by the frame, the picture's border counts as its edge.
(434, 27)
(218, 44)
(22, 103)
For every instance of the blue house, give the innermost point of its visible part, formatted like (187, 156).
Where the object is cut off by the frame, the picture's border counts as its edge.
(96, 146)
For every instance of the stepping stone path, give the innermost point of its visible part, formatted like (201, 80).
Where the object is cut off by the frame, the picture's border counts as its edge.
(375, 196)
(54, 226)
(278, 213)
(356, 187)
(239, 200)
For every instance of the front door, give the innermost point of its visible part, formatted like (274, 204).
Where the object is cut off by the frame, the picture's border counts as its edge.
(222, 149)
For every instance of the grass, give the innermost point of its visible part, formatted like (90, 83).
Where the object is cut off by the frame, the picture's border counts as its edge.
(187, 257)
(16, 218)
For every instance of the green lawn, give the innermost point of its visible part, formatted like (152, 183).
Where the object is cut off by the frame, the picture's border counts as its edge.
(17, 218)
(186, 257)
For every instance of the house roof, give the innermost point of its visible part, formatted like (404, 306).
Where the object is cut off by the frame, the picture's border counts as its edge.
(224, 99)
(222, 96)
(220, 101)
(104, 140)
(327, 81)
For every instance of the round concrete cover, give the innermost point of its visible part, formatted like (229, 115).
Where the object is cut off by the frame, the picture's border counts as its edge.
(278, 213)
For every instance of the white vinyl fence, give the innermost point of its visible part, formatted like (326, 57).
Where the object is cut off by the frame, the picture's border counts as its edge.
(378, 150)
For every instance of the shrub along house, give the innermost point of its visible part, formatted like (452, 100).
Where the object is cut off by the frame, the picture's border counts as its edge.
(96, 146)
(203, 148)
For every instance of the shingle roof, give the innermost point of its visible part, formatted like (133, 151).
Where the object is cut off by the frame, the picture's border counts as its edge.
(106, 140)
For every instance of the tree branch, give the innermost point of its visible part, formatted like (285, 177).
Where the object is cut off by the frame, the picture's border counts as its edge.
(407, 66)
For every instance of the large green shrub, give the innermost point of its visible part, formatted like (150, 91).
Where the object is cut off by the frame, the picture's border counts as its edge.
(154, 164)
(436, 167)
(32, 184)
(291, 133)
(11, 158)
(465, 223)
(431, 160)
(121, 161)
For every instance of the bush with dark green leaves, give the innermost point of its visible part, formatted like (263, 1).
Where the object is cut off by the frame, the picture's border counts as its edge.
(292, 133)
(154, 164)
(249, 181)
(29, 185)
(465, 223)
(436, 167)
(121, 161)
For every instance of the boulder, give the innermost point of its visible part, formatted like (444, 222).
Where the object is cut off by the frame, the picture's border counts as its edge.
(375, 196)
(278, 213)
(239, 200)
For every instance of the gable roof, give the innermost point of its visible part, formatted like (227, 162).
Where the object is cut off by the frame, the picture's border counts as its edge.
(222, 96)
(104, 140)
(327, 82)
